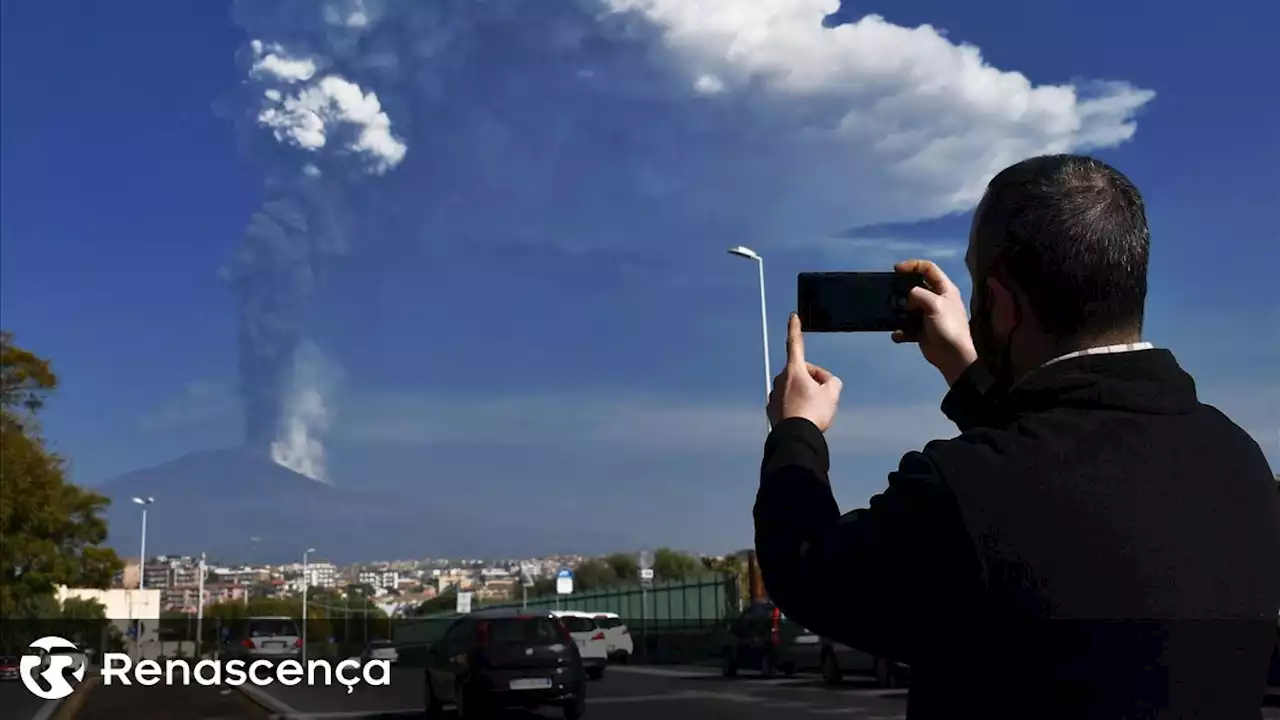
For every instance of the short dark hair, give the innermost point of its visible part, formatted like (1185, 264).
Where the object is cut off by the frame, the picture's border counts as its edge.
(1071, 232)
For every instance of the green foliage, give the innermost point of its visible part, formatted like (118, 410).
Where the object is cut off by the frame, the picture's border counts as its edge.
(672, 565)
(50, 529)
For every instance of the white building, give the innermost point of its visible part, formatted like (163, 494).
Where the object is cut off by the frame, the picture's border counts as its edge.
(124, 606)
(323, 574)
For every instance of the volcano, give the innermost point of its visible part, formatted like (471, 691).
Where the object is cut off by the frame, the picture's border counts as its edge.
(239, 506)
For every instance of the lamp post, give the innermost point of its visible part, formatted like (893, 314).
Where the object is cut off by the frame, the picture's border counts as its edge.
(200, 610)
(748, 253)
(306, 581)
(142, 572)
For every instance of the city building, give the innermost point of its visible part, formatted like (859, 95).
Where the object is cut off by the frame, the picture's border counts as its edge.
(125, 607)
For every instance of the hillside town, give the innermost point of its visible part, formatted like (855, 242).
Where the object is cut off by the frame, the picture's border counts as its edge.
(397, 587)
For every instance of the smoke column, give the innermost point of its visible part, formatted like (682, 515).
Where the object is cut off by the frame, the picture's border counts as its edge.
(320, 120)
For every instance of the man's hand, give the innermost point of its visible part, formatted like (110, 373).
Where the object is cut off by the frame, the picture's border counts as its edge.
(801, 389)
(944, 338)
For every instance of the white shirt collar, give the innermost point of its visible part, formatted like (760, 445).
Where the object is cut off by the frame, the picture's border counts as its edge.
(1103, 350)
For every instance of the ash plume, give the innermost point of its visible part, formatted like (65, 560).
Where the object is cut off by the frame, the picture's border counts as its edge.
(317, 120)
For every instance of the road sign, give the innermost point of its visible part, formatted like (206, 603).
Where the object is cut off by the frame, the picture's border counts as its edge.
(526, 575)
(646, 577)
(564, 582)
(646, 560)
(464, 603)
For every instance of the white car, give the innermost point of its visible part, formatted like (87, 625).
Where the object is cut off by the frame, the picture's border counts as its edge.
(617, 636)
(590, 639)
(270, 638)
(381, 650)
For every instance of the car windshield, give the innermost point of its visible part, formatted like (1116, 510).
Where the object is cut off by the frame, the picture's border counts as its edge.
(272, 628)
(608, 623)
(520, 631)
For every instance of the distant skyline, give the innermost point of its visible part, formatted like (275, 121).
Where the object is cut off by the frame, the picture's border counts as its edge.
(479, 260)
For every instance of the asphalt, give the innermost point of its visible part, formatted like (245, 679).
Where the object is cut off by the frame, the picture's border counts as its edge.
(626, 693)
(17, 702)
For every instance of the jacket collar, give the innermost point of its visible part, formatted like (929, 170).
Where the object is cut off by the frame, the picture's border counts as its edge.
(1144, 381)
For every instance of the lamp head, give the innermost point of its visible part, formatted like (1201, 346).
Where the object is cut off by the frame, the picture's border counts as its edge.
(144, 501)
(746, 252)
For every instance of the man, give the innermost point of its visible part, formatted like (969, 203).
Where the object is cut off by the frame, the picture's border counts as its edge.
(1096, 543)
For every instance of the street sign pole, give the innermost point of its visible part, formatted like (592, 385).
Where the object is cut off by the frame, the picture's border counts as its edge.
(645, 560)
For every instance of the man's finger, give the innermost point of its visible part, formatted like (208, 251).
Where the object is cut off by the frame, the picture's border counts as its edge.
(920, 300)
(821, 374)
(938, 280)
(902, 336)
(795, 342)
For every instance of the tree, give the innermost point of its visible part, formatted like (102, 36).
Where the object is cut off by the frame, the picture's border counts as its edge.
(625, 567)
(593, 574)
(50, 529)
(672, 565)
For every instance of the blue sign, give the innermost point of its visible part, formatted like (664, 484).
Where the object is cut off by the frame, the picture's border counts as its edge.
(564, 573)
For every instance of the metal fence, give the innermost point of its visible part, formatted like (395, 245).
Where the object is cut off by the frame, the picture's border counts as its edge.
(670, 623)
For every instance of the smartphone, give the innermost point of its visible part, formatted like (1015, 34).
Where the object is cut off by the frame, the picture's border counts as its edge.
(856, 301)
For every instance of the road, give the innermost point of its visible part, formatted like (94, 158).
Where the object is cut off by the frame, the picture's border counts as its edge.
(632, 693)
(626, 693)
(16, 700)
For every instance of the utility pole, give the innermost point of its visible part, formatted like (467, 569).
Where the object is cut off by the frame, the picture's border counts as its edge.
(200, 611)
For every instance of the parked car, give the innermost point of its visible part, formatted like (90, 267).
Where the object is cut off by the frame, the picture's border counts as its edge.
(763, 639)
(266, 638)
(591, 640)
(381, 650)
(617, 637)
(837, 660)
(8, 667)
(493, 659)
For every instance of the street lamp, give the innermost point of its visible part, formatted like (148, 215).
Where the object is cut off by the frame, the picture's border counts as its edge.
(306, 581)
(748, 253)
(142, 554)
(142, 572)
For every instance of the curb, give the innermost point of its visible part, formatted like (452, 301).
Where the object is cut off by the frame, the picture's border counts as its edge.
(69, 706)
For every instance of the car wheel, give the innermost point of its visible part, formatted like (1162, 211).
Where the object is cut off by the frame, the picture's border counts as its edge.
(728, 665)
(768, 668)
(464, 702)
(595, 673)
(431, 704)
(788, 669)
(831, 669)
(575, 709)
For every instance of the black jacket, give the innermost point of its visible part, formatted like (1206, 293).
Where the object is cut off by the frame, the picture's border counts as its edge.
(1096, 543)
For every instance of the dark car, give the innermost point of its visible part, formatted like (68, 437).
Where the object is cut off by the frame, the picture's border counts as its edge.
(762, 639)
(495, 659)
(839, 659)
(8, 667)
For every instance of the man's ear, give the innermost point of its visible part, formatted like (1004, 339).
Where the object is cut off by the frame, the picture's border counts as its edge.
(1003, 306)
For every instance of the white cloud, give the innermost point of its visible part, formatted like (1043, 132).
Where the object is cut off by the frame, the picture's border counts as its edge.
(272, 62)
(306, 118)
(929, 114)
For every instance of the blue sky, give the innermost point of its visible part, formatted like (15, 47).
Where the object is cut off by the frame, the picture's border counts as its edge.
(520, 246)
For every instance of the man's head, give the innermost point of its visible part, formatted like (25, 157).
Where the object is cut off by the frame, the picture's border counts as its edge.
(1058, 258)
